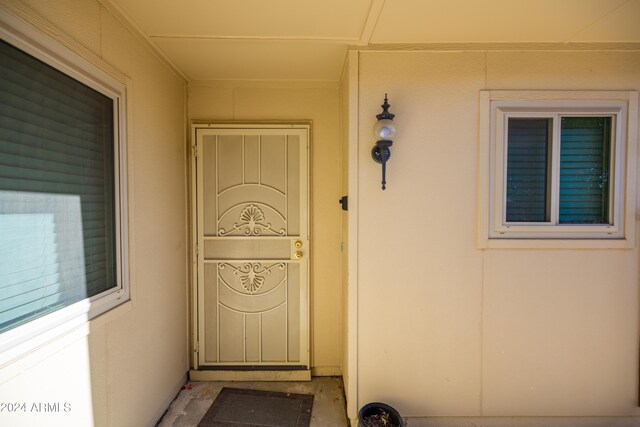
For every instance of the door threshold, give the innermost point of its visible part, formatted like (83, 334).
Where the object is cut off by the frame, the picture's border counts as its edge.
(261, 375)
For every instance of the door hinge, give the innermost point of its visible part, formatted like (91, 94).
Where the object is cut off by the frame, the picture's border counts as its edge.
(196, 349)
(195, 151)
(197, 250)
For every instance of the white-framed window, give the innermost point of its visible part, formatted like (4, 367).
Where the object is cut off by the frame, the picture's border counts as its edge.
(558, 165)
(63, 213)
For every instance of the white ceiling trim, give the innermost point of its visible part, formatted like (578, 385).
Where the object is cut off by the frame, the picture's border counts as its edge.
(372, 20)
(279, 84)
(502, 46)
(248, 38)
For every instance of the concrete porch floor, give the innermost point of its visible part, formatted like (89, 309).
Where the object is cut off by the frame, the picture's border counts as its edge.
(192, 403)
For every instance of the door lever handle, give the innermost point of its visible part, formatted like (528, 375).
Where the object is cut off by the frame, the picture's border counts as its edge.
(298, 255)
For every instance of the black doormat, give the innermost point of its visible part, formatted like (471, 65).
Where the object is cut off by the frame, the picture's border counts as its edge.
(238, 407)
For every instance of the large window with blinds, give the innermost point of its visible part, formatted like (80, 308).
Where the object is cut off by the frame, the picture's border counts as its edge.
(61, 188)
(558, 164)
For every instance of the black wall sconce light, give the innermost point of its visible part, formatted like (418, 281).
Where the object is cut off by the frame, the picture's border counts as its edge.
(384, 131)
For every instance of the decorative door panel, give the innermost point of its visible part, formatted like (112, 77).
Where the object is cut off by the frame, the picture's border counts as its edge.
(253, 246)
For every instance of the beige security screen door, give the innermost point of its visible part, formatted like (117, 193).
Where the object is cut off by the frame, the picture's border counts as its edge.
(252, 246)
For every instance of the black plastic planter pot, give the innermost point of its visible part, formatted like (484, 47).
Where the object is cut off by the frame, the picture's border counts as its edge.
(377, 408)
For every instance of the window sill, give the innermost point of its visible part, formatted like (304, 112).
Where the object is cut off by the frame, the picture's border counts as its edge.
(517, 243)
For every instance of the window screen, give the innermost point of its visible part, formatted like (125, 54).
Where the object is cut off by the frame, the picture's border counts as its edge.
(57, 214)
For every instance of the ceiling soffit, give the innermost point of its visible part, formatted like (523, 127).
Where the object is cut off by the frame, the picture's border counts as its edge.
(307, 40)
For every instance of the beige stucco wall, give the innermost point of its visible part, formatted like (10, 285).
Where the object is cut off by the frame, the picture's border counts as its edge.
(125, 367)
(319, 102)
(445, 328)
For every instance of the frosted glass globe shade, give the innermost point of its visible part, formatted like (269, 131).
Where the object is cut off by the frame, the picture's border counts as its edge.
(384, 129)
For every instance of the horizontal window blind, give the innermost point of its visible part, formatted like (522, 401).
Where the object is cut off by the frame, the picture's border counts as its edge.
(57, 215)
(528, 149)
(584, 170)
